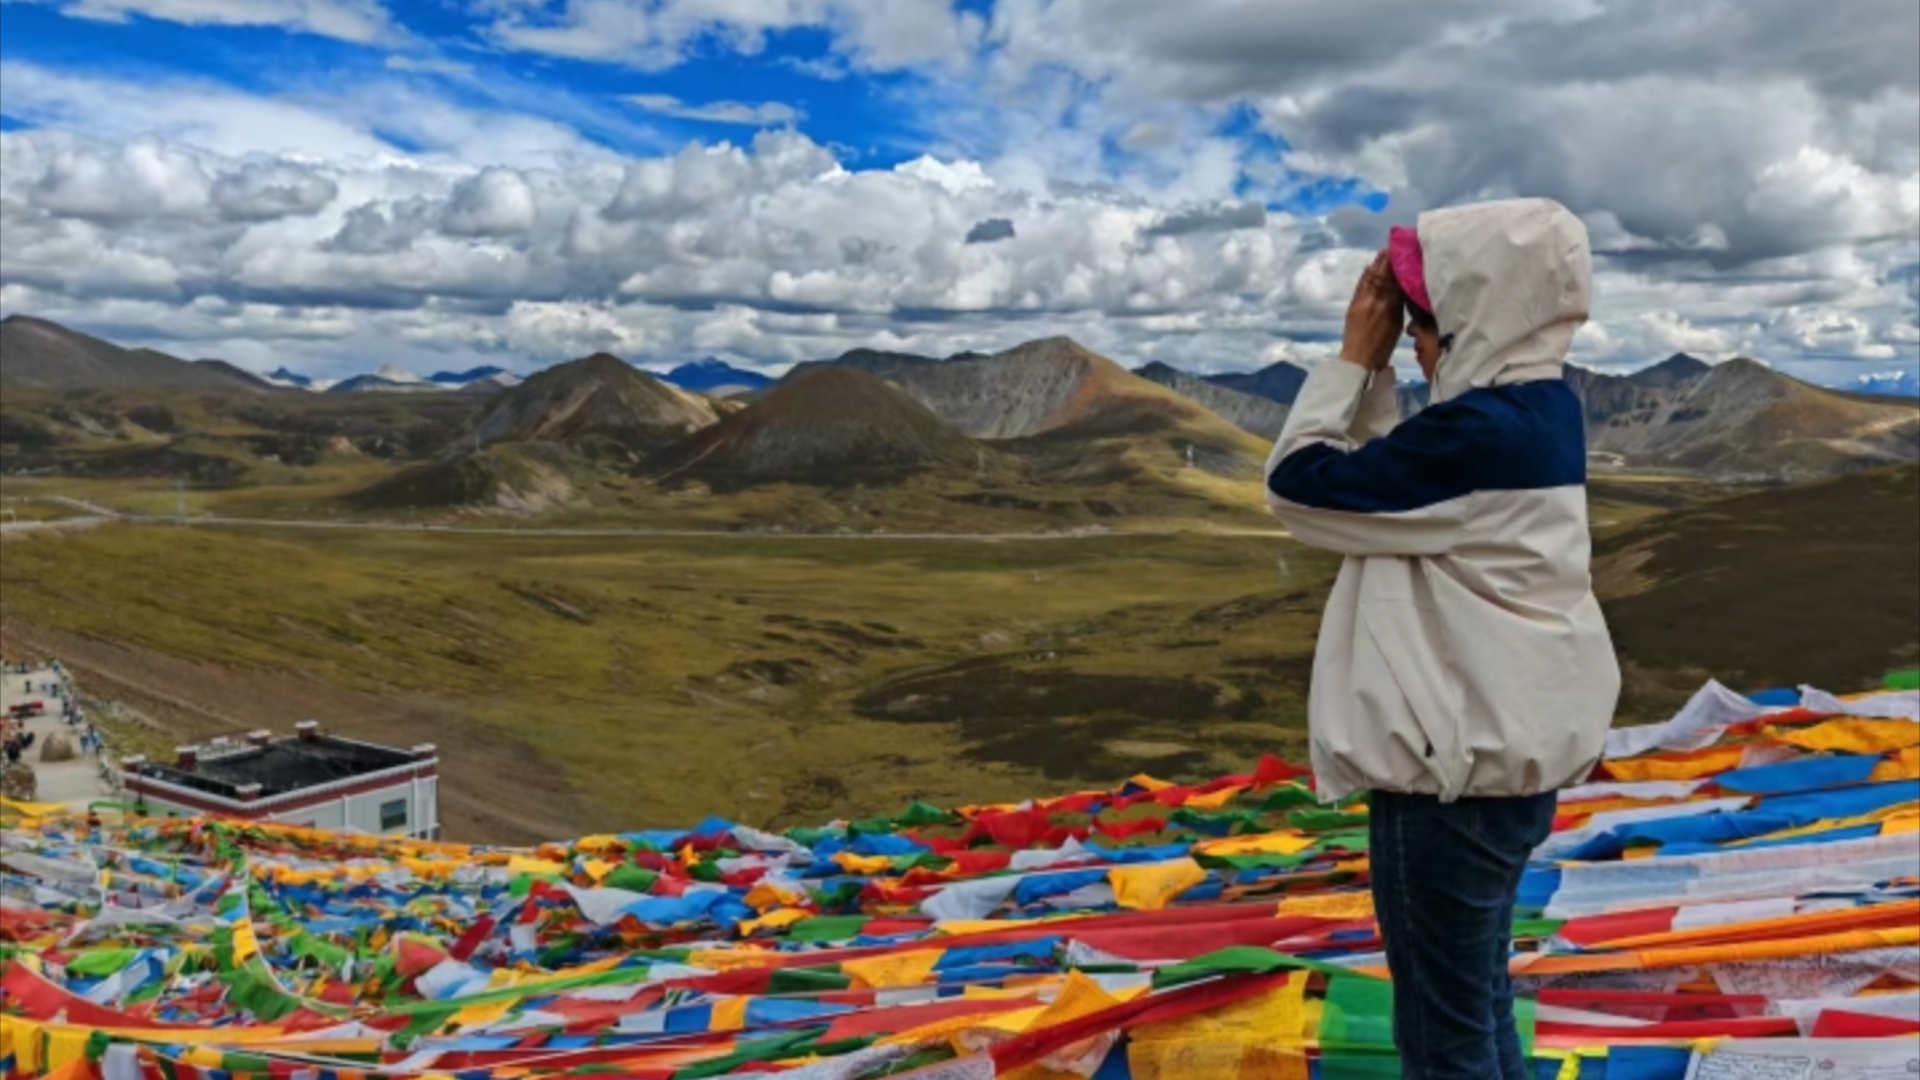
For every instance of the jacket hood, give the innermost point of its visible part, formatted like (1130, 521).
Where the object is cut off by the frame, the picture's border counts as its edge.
(1511, 282)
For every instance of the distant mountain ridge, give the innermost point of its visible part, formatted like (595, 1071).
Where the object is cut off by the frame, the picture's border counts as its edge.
(1279, 382)
(1256, 414)
(715, 376)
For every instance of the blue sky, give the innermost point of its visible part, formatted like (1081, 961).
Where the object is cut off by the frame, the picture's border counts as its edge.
(336, 184)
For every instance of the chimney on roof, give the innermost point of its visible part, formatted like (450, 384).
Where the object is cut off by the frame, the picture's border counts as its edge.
(307, 729)
(186, 757)
(247, 792)
(259, 737)
(424, 751)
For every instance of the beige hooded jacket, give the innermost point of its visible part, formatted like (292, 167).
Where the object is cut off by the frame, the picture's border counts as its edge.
(1462, 652)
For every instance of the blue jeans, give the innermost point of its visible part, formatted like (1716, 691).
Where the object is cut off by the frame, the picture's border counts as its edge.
(1444, 877)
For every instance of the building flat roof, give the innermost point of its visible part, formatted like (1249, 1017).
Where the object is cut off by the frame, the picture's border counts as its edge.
(280, 767)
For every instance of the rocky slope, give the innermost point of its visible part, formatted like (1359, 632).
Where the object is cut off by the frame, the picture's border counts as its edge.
(1257, 415)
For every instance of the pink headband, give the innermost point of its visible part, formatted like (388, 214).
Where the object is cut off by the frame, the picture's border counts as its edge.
(1409, 266)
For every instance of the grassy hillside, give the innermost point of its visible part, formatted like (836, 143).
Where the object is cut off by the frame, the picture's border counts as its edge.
(1812, 584)
(578, 684)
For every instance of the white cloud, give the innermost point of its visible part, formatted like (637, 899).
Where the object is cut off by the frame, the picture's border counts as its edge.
(427, 65)
(359, 21)
(1766, 209)
(882, 35)
(761, 114)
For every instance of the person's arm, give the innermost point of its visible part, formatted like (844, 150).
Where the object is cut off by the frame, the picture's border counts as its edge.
(1403, 494)
(1343, 476)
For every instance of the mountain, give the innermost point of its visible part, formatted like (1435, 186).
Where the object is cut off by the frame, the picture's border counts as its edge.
(716, 377)
(1259, 415)
(38, 353)
(1900, 384)
(877, 362)
(1740, 417)
(1031, 389)
(382, 384)
(282, 376)
(464, 378)
(488, 384)
(1076, 416)
(1675, 371)
(599, 398)
(241, 376)
(827, 426)
(1276, 382)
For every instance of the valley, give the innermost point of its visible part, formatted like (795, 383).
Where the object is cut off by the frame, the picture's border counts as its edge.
(617, 600)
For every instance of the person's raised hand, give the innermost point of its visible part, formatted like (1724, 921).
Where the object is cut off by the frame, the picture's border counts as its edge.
(1375, 317)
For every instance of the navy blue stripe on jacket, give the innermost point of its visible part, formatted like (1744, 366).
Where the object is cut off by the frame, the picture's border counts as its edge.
(1520, 437)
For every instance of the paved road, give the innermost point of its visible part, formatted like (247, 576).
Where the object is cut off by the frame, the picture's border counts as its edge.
(97, 513)
(75, 782)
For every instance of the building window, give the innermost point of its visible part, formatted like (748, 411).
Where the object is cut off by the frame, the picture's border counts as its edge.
(393, 815)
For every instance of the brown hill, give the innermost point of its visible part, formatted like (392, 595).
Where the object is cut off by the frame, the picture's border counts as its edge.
(522, 478)
(1815, 583)
(825, 426)
(38, 353)
(589, 404)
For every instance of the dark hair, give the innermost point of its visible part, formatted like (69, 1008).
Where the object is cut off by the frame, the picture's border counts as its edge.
(1422, 318)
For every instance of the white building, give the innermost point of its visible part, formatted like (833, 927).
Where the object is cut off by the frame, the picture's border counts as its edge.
(311, 779)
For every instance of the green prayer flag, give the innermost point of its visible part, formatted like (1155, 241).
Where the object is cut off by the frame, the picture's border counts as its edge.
(827, 928)
(1240, 959)
(99, 963)
(926, 814)
(631, 878)
(813, 980)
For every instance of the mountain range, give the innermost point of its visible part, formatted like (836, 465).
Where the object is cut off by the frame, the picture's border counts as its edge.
(1048, 411)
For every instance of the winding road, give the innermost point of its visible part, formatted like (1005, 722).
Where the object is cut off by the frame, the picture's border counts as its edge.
(92, 514)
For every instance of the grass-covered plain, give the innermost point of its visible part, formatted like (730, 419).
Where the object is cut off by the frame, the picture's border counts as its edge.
(587, 683)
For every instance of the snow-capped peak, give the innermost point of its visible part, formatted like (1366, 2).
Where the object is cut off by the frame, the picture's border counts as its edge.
(395, 374)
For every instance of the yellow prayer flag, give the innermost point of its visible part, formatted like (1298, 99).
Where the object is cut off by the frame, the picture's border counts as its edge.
(1263, 1037)
(1152, 886)
(893, 970)
(1336, 905)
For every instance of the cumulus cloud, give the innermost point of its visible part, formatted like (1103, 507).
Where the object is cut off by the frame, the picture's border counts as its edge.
(495, 202)
(262, 191)
(758, 114)
(881, 35)
(1750, 172)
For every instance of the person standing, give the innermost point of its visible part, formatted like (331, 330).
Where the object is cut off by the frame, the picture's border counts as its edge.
(1464, 671)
